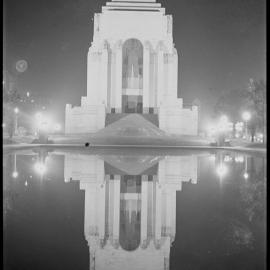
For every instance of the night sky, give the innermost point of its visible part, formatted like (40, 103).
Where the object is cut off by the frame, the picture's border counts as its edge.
(221, 44)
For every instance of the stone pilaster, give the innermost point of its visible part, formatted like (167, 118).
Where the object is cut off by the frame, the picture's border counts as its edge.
(118, 79)
(144, 208)
(104, 73)
(101, 210)
(116, 207)
(160, 74)
(146, 77)
(175, 73)
(171, 91)
(158, 209)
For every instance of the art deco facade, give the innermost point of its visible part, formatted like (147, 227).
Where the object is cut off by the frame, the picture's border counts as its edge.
(132, 67)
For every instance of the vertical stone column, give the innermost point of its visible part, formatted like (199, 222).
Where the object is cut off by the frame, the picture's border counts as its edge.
(118, 79)
(68, 119)
(93, 76)
(116, 207)
(146, 77)
(175, 72)
(90, 210)
(144, 208)
(168, 213)
(158, 210)
(160, 75)
(104, 75)
(172, 92)
(111, 209)
(173, 215)
(101, 210)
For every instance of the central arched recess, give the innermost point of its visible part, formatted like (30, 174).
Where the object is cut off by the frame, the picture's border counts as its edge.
(130, 212)
(132, 76)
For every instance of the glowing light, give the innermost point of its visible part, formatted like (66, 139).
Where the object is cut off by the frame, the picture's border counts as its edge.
(227, 158)
(40, 168)
(246, 116)
(237, 135)
(222, 170)
(4, 125)
(21, 66)
(66, 180)
(239, 159)
(16, 110)
(246, 175)
(28, 94)
(32, 101)
(239, 126)
(15, 174)
(26, 183)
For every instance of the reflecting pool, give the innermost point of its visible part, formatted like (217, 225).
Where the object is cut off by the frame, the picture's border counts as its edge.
(127, 209)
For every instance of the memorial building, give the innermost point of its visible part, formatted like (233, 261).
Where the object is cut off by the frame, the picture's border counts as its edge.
(132, 67)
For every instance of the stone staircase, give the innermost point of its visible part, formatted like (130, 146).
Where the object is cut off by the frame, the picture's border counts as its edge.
(113, 117)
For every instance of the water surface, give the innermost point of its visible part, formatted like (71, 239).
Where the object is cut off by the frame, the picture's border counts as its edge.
(131, 209)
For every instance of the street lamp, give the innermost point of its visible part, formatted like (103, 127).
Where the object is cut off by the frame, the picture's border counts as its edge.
(16, 111)
(246, 117)
(40, 168)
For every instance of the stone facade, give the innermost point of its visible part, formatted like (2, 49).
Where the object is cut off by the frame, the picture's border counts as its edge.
(132, 67)
(130, 217)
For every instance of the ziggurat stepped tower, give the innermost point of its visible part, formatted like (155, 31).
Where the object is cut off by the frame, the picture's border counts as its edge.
(132, 67)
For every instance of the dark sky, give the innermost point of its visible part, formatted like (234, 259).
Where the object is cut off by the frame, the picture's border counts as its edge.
(221, 44)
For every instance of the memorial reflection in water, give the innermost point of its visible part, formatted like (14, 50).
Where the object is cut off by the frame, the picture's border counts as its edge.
(134, 209)
(130, 206)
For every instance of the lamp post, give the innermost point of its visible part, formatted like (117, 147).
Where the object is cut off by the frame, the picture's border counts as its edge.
(16, 111)
(246, 117)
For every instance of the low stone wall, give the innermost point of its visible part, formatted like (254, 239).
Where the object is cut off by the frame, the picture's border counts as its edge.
(85, 119)
(177, 120)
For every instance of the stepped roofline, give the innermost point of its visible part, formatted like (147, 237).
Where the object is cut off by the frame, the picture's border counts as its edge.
(133, 5)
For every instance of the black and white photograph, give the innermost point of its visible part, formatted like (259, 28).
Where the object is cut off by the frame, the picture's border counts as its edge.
(134, 135)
